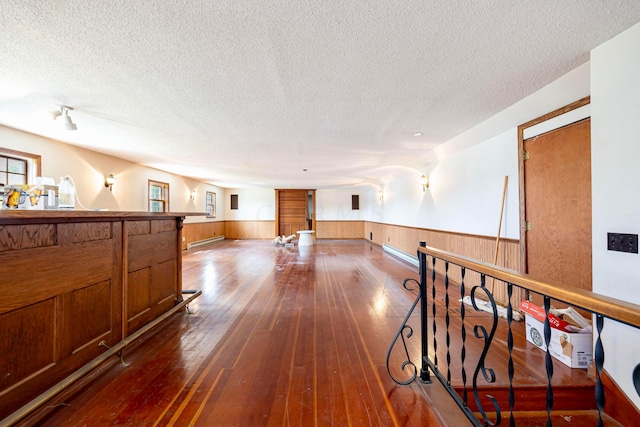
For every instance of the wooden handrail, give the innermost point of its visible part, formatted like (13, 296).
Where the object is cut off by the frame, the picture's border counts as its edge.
(609, 307)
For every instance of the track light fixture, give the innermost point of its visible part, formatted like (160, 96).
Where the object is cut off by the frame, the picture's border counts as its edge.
(63, 113)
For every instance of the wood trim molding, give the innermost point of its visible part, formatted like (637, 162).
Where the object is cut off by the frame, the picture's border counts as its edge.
(452, 233)
(35, 158)
(521, 184)
(613, 308)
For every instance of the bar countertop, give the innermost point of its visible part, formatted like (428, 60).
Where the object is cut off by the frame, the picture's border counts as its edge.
(57, 215)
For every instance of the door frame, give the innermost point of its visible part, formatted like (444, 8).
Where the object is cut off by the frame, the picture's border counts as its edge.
(277, 202)
(521, 187)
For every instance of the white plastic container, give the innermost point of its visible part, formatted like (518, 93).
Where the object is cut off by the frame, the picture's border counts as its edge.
(66, 194)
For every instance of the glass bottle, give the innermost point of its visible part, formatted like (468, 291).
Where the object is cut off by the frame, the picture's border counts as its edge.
(66, 194)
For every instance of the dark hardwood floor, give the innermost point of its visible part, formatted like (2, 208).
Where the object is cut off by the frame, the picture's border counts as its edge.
(280, 336)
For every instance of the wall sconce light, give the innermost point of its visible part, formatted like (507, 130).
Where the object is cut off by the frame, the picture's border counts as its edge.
(193, 195)
(63, 113)
(109, 181)
(380, 195)
(424, 181)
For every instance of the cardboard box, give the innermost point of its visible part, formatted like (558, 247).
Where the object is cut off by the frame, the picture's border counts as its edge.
(36, 197)
(538, 313)
(573, 349)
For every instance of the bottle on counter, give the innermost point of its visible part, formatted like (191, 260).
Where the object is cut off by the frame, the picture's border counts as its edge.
(66, 194)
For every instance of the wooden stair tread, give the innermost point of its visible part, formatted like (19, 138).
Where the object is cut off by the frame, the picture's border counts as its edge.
(558, 418)
(533, 398)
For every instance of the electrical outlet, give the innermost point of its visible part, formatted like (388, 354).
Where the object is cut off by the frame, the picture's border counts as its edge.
(622, 242)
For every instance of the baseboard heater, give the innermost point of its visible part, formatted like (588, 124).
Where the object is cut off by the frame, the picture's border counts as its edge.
(400, 254)
(204, 241)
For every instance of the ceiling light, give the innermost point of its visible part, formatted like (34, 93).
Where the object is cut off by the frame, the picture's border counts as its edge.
(63, 113)
(417, 134)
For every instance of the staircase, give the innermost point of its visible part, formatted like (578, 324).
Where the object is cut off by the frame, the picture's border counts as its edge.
(484, 361)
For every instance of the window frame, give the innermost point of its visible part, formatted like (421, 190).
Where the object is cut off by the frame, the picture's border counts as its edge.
(210, 204)
(164, 196)
(32, 164)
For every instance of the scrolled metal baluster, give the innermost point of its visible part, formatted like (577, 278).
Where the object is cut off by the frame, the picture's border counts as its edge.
(488, 373)
(401, 334)
(598, 358)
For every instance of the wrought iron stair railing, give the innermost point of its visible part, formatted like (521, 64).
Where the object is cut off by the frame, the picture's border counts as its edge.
(474, 378)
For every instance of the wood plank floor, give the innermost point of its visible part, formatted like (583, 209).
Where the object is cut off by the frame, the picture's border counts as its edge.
(280, 336)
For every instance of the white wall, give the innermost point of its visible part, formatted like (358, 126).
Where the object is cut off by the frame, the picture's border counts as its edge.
(466, 174)
(254, 204)
(464, 194)
(88, 170)
(615, 145)
(336, 204)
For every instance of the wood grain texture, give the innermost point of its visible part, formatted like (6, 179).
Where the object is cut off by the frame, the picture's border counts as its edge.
(521, 169)
(250, 229)
(613, 308)
(558, 205)
(339, 229)
(17, 216)
(87, 232)
(292, 212)
(194, 232)
(148, 249)
(42, 273)
(286, 337)
(62, 293)
(480, 248)
(14, 237)
(27, 343)
(293, 339)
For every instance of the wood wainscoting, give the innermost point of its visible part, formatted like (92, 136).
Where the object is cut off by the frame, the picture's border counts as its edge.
(250, 229)
(481, 248)
(196, 231)
(339, 229)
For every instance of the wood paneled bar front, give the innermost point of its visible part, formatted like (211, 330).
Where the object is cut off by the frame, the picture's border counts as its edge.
(72, 280)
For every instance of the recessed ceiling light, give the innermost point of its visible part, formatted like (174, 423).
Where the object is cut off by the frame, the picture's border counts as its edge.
(417, 134)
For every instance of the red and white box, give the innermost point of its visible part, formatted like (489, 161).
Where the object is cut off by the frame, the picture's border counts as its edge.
(569, 344)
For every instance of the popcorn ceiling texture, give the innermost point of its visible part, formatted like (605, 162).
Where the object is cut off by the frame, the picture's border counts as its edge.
(231, 91)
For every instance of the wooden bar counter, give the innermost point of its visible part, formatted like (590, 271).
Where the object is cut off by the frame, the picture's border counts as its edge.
(70, 280)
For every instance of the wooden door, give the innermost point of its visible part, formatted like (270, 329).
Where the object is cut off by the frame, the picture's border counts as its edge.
(292, 211)
(557, 181)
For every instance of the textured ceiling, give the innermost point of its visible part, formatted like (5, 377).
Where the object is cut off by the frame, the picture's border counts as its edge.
(251, 93)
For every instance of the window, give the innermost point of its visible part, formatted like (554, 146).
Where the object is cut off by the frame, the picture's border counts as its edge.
(158, 196)
(234, 201)
(211, 205)
(18, 168)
